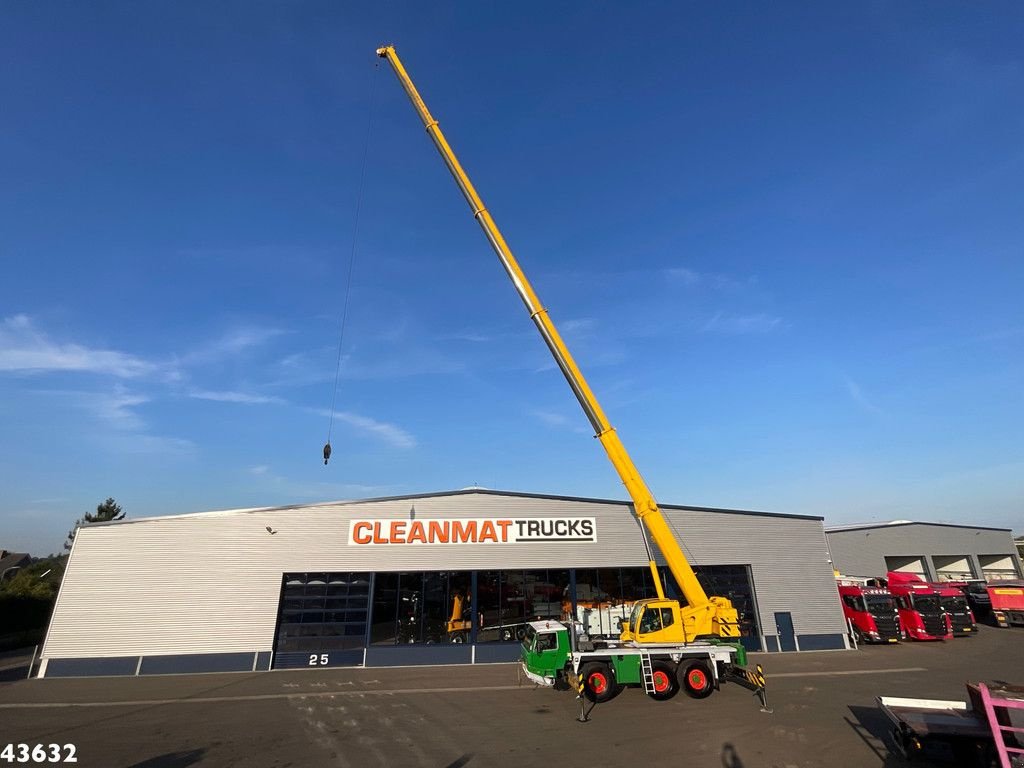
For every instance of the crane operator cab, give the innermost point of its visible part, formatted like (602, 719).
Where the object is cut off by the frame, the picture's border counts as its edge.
(662, 620)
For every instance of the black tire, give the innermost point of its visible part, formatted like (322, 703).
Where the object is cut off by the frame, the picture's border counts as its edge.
(598, 683)
(697, 680)
(666, 685)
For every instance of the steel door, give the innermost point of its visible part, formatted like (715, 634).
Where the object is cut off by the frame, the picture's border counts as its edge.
(786, 633)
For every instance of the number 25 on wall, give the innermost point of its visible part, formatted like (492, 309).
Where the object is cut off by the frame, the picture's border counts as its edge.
(318, 661)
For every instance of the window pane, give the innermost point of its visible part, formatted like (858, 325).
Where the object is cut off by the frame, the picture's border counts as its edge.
(733, 582)
(608, 584)
(385, 610)
(315, 613)
(410, 607)
(543, 591)
(650, 621)
(447, 612)
(636, 584)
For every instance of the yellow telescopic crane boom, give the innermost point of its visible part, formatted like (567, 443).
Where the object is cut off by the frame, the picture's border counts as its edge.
(703, 616)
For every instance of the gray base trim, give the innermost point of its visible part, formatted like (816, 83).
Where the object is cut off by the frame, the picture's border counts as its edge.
(114, 665)
(491, 653)
(771, 643)
(411, 655)
(196, 662)
(822, 642)
(263, 660)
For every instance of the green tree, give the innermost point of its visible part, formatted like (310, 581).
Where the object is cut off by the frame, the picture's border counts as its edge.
(40, 579)
(105, 512)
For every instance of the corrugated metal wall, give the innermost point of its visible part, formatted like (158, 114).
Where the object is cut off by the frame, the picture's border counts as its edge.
(210, 582)
(862, 551)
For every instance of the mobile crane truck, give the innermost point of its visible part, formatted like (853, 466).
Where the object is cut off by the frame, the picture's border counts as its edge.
(665, 645)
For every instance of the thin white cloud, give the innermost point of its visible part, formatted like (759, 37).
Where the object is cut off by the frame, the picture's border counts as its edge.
(152, 444)
(684, 275)
(231, 343)
(24, 348)
(712, 280)
(742, 324)
(579, 326)
(115, 408)
(858, 397)
(406, 362)
(551, 418)
(244, 398)
(560, 420)
(116, 425)
(317, 491)
(389, 433)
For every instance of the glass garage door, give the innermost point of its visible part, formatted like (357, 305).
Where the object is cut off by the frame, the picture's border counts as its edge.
(322, 620)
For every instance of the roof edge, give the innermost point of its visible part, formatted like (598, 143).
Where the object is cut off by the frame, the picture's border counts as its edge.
(460, 492)
(902, 523)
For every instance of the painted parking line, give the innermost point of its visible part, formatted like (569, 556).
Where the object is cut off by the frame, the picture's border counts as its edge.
(262, 697)
(845, 672)
(393, 692)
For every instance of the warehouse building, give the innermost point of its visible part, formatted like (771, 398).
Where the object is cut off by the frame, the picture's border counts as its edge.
(933, 551)
(448, 578)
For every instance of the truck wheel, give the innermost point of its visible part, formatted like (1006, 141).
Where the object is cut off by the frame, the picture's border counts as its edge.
(665, 684)
(697, 680)
(598, 684)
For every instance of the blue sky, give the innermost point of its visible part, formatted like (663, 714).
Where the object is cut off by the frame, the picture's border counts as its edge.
(784, 244)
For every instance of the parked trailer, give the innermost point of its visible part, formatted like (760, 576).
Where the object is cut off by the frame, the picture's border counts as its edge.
(977, 733)
(1007, 602)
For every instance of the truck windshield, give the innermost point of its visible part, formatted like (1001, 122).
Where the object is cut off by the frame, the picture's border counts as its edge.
(954, 604)
(880, 604)
(925, 603)
(634, 617)
(528, 638)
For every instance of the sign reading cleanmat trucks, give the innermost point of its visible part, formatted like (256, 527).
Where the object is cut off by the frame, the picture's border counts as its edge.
(472, 530)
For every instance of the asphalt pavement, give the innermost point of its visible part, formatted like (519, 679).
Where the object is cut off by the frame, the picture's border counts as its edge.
(449, 717)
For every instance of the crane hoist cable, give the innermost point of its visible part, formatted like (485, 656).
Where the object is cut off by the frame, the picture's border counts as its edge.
(351, 262)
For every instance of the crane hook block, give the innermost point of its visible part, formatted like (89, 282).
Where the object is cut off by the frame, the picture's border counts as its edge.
(327, 452)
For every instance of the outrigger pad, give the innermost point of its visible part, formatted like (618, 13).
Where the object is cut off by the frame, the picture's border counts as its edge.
(752, 680)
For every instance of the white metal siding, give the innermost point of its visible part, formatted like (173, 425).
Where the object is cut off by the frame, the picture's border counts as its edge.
(211, 582)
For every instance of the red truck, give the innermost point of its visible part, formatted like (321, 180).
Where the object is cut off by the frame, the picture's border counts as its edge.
(871, 612)
(954, 603)
(1007, 602)
(920, 607)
